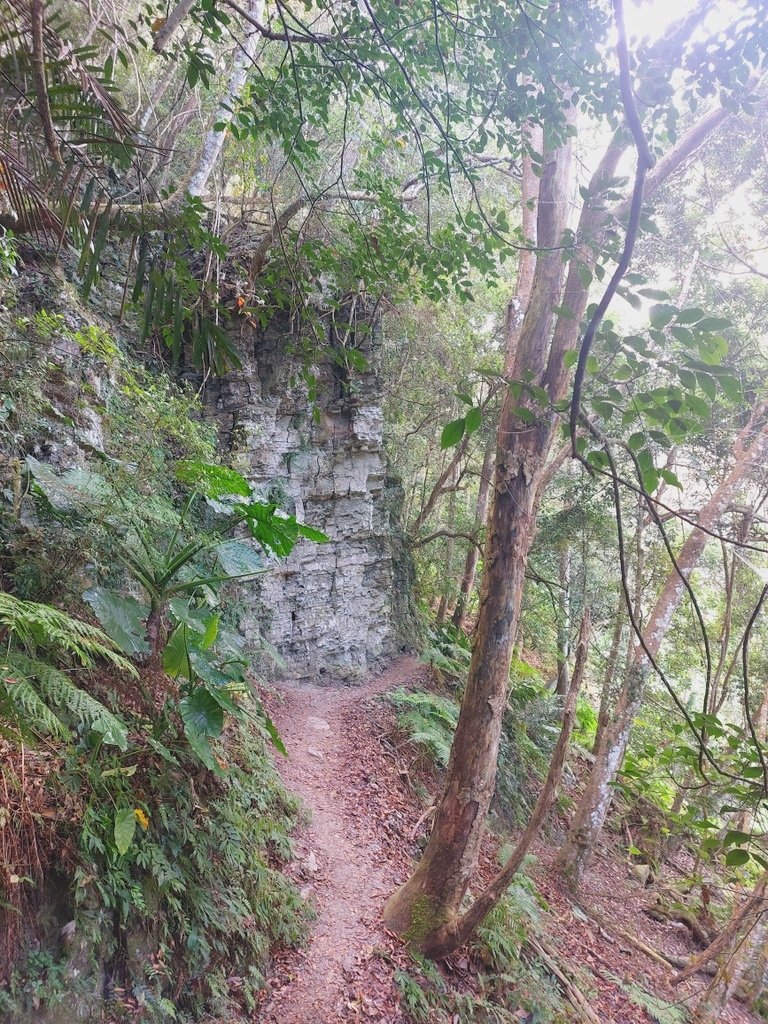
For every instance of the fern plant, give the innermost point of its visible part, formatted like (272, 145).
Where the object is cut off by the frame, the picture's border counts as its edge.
(428, 720)
(37, 698)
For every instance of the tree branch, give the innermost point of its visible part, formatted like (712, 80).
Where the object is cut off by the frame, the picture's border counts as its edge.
(43, 103)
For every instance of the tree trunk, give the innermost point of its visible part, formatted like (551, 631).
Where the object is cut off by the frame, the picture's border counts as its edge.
(431, 898)
(214, 140)
(430, 901)
(609, 676)
(591, 812)
(457, 932)
(473, 554)
(563, 620)
(737, 948)
(450, 547)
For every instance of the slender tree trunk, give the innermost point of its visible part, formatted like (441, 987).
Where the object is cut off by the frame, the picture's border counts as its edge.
(430, 901)
(214, 140)
(450, 547)
(591, 812)
(738, 948)
(473, 554)
(609, 677)
(563, 620)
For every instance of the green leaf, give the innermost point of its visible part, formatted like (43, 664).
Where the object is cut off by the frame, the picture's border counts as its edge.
(671, 478)
(77, 490)
(203, 719)
(473, 419)
(211, 480)
(662, 314)
(176, 654)
(452, 433)
(713, 323)
(734, 837)
(125, 827)
(690, 316)
(735, 858)
(274, 735)
(122, 618)
(636, 441)
(238, 559)
(570, 358)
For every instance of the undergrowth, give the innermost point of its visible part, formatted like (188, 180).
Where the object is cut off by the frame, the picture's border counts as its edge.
(493, 980)
(135, 881)
(530, 726)
(184, 919)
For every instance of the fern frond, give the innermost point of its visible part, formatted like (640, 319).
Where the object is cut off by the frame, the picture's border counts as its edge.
(23, 709)
(40, 625)
(59, 690)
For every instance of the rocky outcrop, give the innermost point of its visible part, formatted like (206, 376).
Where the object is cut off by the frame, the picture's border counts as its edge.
(314, 443)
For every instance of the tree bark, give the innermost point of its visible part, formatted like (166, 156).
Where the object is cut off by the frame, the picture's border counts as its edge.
(214, 140)
(736, 949)
(456, 933)
(563, 620)
(473, 554)
(589, 817)
(431, 899)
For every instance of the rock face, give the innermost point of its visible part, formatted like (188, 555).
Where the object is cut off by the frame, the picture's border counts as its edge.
(330, 610)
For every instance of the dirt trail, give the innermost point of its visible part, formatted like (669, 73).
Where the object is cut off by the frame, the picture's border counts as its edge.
(344, 862)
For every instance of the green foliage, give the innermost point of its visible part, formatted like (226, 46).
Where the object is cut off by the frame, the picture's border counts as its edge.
(500, 983)
(182, 864)
(529, 728)
(585, 725)
(428, 720)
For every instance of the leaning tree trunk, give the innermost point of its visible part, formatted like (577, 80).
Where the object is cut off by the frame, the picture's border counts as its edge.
(473, 554)
(736, 950)
(214, 140)
(591, 812)
(563, 620)
(428, 904)
(431, 898)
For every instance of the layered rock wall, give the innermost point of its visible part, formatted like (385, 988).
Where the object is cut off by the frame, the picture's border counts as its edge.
(331, 610)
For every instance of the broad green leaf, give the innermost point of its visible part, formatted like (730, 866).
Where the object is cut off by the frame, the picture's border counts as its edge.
(77, 490)
(636, 441)
(238, 559)
(570, 358)
(122, 618)
(203, 719)
(452, 433)
(690, 316)
(473, 419)
(734, 837)
(201, 714)
(176, 659)
(713, 323)
(662, 314)
(211, 480)
(125, 827)
(735, 858)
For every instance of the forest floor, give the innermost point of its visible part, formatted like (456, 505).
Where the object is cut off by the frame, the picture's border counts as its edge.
(359, 787)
